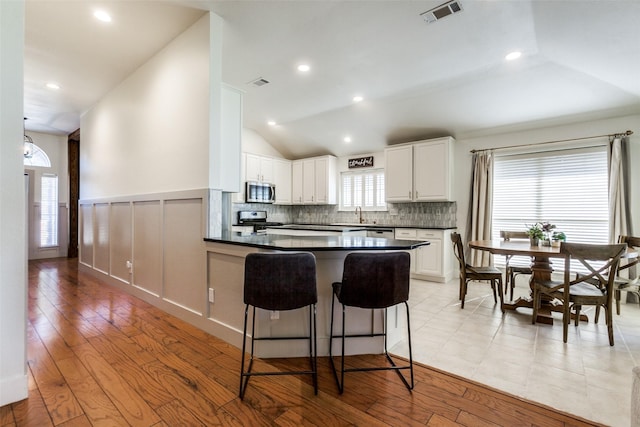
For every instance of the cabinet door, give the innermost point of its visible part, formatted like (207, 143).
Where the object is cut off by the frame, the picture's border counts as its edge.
(252, 167)
(282, 181)
(321, 181)
(296, 182)
(266, 169)
(431, 171)
(398, 173)
(309, 181)
(429, 258)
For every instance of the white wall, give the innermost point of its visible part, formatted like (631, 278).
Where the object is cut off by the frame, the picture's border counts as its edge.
(151, 133)
(253, 143)
(13, 251)
(462, 156)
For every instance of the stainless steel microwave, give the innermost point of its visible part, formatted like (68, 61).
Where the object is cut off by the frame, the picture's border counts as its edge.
(260, 192)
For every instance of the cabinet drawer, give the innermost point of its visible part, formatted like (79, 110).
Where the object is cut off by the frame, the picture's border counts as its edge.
(406, 233)
(429, 234)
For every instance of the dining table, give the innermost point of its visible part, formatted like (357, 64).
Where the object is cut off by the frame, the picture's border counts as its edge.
(541, 267)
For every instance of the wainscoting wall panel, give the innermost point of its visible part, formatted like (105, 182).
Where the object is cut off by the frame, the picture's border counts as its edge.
(101, 237)
(162, 237)
(120, 238)
(147, 246)
(86, 234)
(184, 254)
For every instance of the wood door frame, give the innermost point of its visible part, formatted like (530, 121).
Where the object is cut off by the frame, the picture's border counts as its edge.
(73, 150)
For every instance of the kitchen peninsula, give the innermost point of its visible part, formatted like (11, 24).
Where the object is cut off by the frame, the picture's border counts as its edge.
(225, 279)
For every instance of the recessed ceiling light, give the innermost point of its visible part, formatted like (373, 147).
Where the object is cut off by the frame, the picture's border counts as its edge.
(357, 98)
(271, 123)
(101, 15)
(347, 139)
(303, 68)
(513, 55)
(54, 86)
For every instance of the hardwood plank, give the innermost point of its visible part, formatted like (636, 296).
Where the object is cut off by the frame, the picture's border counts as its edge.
(58, 398)
(81, 421)
(133, 407)
(183, 390)
(175, 414)
(96, 404)
(150, 390)
(32, 411)
(440, 421)
(6, 416)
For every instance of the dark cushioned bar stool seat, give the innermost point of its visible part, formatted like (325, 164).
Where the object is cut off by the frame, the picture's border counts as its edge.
(280, 281)
(372, 281)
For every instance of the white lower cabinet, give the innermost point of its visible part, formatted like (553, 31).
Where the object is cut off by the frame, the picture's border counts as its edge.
(432, 262)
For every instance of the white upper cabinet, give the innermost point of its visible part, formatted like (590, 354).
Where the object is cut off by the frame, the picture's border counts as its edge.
(296, 182)
(398, 173)
(432, 170)
(314, 181)
(420, 171)
(259, 168)
(282, 181)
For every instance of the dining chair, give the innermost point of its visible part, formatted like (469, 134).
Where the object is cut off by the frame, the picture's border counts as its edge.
(595, 287)
(470, 273)
(372, 281)
(520, 267)
(628, 272)
(280, 281)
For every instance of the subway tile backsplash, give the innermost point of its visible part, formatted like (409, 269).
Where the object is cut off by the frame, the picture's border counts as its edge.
(426, 215)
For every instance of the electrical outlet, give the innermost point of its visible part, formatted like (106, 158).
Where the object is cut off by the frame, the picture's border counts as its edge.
(211, 295)
(129, 266)
(274, 315)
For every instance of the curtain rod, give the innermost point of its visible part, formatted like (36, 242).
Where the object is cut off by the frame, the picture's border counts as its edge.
(627, 133)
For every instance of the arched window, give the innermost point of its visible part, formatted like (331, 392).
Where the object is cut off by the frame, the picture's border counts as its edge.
(39, 158)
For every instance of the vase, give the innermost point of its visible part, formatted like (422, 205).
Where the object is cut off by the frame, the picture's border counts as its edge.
(534, 241)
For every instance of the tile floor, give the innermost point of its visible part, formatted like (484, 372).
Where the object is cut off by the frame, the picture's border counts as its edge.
(585, 377)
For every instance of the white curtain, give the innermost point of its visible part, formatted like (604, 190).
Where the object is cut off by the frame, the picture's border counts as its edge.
(619, 214)
(480, 205)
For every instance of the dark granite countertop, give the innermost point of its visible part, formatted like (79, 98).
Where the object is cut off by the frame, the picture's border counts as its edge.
(314, 243)
(354, 227)
(321, 227)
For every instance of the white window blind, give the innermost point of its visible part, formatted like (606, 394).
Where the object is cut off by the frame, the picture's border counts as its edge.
(49, 211)
(568, 188)
(364, 189)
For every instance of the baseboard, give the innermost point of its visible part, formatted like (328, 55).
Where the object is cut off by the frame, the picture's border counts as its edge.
(14, 389)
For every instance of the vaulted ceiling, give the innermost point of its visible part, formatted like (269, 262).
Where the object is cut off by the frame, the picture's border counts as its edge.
(580, 60)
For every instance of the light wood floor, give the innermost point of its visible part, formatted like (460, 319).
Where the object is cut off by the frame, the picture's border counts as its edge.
(98, 356)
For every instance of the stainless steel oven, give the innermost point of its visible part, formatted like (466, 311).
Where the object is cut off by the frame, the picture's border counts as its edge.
(260, 192)
(257, 219)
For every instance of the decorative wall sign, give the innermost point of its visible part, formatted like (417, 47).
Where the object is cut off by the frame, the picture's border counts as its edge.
(361, 162)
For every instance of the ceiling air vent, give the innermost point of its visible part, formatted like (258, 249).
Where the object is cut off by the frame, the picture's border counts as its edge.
(260, 81)
(442, 11)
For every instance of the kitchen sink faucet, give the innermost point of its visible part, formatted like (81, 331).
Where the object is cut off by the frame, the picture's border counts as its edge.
(359, 213)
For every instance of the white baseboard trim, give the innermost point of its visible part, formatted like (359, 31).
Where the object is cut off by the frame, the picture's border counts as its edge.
(14, 389)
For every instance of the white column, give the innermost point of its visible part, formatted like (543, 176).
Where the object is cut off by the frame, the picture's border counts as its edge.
(13, 236)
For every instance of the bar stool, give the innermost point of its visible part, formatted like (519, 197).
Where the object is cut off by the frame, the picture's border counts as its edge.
(375, 281)
(280, 281)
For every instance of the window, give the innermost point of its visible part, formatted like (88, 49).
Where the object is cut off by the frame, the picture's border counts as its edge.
(568, 188)
(364, 189)
(39, 158)
(49, 211)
